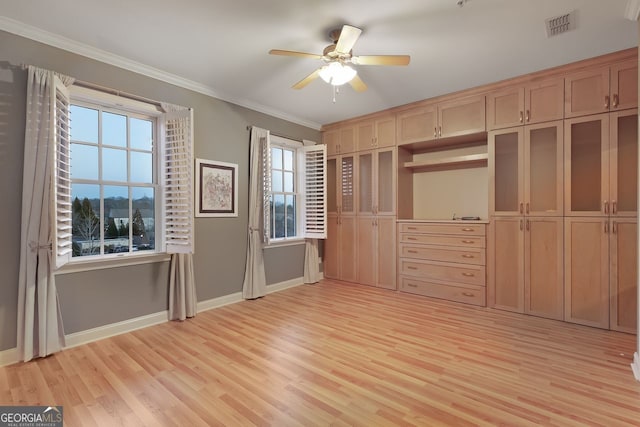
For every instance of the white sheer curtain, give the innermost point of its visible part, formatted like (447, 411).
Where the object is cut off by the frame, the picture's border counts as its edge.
(40, 331)
(255, 282)
(311, 261)
(182, 284)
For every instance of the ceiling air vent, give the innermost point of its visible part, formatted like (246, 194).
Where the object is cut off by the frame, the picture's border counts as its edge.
(561, 24)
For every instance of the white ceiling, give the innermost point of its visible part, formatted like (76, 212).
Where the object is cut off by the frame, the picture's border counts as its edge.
(220, 46)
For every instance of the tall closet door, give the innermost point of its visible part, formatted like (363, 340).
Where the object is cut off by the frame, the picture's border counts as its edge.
(623, 282)
(506, 264)
(623, 161)
(506, 172)
(386, 252)
(543, 165)
(586, 167)
(367, 250)
(331, 255)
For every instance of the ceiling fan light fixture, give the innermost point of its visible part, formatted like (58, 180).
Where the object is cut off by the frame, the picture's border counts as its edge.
(337, 74)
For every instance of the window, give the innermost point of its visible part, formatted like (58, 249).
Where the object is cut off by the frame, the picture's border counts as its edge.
(123, 178)
(295, 192)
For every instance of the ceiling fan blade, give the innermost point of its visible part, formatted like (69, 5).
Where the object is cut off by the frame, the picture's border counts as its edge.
(348, 37)
(311, 77)
(293, 53)
(381, 60)
(357, 84)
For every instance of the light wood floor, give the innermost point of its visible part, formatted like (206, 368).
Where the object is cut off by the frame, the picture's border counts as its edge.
(341, 354)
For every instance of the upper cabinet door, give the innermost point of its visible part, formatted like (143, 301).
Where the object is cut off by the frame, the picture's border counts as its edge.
(418, 124)
(544, 101)
(623, 163)
(587, 92)
(331, 138)
(347, 140)
(543, 168)
(624, 85)
(461, 117)
(365, 131)
(506, 172)
(586, 169)
(505, 108)
(385, 132)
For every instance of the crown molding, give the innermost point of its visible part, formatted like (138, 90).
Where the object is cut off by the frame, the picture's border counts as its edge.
(633, 10)
(27, 31)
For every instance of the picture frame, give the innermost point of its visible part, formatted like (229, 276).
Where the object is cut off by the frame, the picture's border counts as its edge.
(216, 189)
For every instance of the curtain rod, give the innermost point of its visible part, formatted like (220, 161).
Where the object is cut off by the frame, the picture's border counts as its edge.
(106, 89)
(280, 135)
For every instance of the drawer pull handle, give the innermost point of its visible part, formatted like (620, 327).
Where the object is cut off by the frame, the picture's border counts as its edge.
(410, 267)
(467, 256)
(412, 251)
(468, 294)
(411, 238)
(411, 285)
(468, 241)
(467, 229)
(412, 228)
(468, 274)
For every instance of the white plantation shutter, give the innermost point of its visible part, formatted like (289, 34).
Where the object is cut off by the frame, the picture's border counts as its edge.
(177, 180)
(313, 186)
(265, 144)
(61, 180)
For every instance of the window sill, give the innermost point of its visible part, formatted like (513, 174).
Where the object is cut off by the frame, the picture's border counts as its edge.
(94, 264)
(282, 244)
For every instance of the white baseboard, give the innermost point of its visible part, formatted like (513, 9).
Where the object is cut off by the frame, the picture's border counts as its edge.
(9, 357)
(106, 331)
(635, 366)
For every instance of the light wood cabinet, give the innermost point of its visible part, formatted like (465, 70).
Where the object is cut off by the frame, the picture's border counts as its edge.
(340, 140)
(623, 274)
(447, 119)
(533, 103)
(443, 260)
(526, 265)
(586, 271)
(376, 251)
(602, 89)
(340, 246)
(377, 182)
(526, 170)
(601, 166)
(376, 133)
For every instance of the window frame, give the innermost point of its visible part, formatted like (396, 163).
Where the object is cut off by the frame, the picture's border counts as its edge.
(169, 166)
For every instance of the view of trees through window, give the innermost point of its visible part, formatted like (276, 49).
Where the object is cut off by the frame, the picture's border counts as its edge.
(283, 196)
(112, 182)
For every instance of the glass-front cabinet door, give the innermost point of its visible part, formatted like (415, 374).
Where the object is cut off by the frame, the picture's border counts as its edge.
(365, 183)
(347, 186)
(543, 162)
(586, 170)
(506, 184)
(623, 163)
(385, 203)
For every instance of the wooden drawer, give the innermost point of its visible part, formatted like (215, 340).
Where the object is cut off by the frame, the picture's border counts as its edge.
(453, 292)
(449, 272)
(463, 229)
(444, 240)
(443, 253)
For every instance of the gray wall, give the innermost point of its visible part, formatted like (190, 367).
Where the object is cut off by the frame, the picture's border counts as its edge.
(96, 298)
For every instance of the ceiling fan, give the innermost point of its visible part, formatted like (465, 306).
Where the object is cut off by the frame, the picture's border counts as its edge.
(338, 59)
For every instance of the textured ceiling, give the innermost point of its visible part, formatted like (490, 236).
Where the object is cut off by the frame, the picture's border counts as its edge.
(222, 45)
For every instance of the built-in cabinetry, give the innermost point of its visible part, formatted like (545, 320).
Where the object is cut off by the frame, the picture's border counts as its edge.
(443, 259)
(601, 155)
(602, 89)
(526, 231)
(376, 220)
(340, 246)
(549, 158)
(535, 102)
(456, 117)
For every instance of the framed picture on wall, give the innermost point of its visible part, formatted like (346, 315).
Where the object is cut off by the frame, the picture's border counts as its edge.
(216, 188)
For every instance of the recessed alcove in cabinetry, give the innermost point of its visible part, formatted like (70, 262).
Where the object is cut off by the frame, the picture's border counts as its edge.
(443, 181)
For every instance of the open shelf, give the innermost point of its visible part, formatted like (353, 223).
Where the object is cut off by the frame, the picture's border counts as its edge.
(469, 161)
